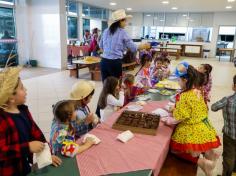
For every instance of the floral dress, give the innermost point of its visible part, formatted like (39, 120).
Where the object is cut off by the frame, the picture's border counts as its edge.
(194, 133)
(143, 78)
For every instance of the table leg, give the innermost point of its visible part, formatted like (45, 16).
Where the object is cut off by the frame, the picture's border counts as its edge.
(77, 70)
(219, 55)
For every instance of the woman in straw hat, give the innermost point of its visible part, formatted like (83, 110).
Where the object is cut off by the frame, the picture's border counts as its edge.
(114, 42)
(20, 137)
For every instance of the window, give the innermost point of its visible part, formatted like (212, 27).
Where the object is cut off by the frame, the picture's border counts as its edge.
(199, 34)
(7, 2)
(104, 25)
(86, 25)
(72, 27)
(72, 8)
(7, 36)
(94, 12)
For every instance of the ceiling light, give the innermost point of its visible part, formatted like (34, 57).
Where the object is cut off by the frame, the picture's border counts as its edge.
(83, 15)
(128, 8)
(148, 15)
(231, 0)
(165, 2)
(228, 7)
(191, 20)
(162, 20)
(112, 3)
(185, 15)
(174, 8)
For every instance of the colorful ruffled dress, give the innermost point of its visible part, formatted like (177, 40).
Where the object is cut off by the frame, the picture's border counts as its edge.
(194, 133)
(143, 78)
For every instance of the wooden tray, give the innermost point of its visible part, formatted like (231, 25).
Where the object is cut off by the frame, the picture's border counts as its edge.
(137, 122)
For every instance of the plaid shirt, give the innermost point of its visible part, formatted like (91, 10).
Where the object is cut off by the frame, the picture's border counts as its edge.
(11, 150)
(228, 104)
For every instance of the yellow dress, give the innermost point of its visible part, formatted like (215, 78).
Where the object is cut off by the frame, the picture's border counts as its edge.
(194, 132)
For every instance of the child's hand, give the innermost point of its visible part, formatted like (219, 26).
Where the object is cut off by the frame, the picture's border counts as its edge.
(89, 119)
(56, 161)
(36, 146)
(89, 141)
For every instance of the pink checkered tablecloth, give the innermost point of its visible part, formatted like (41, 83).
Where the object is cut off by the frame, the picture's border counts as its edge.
(140, 153)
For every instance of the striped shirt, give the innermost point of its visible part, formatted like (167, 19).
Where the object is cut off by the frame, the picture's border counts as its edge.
(228, 104)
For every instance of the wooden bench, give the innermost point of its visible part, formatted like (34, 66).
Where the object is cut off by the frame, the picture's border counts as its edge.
(129, 66)
(177, 167)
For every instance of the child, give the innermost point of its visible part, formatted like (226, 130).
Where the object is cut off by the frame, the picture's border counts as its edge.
(206, 69)
(62, 130)
(111, 97)
(82, 93)
(228, 105)
(166, 67)
(194, 134)
(20, 137)
(130, 89)
(143, 77)
(157, 72)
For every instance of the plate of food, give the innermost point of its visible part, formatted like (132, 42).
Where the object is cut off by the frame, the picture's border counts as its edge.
(153, 90)
(143, 97)
(91, 59)
(173, 86)
(166, 92)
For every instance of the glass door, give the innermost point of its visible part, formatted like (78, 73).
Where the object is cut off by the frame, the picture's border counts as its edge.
(225, 42)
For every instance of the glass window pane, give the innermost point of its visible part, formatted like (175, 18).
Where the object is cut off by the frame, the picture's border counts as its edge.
(8, 2)
(104, 25)
(86, 25)
(95, 12)
(72, 27)
(7, 36)
(86, 10)
(72, 7)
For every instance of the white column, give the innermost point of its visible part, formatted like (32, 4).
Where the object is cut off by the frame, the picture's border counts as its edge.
(22, 31)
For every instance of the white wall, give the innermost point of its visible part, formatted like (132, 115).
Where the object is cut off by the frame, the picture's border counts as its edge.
(41, 30)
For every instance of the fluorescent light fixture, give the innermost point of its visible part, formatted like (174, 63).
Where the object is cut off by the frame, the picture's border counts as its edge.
(165, 2)
(148, 15)
(6, 3)
(228, 7)
(185, 15)
(129, 8)
(112, 3)
(174, 8)
(162, 20)
(231, 0)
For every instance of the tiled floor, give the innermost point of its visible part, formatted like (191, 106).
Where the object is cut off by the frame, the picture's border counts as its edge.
(44, 91)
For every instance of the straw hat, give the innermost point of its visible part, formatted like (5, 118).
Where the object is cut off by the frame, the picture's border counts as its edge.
(119, 15)
(81, 89)
(8, 82)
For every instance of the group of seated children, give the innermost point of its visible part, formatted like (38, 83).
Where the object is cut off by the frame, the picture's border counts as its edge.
(154, 68)
(194, 135)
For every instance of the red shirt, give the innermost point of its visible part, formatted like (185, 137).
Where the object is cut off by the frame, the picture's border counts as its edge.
(11, 150)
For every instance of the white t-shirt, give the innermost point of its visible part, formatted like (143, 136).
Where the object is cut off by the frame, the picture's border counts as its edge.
(112, 103)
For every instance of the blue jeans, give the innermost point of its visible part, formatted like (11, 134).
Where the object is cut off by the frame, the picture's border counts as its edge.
(111, 67)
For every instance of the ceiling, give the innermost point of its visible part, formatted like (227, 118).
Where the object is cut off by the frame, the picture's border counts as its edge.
(157, 6)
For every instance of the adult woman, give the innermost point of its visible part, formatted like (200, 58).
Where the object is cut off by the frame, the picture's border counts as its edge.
(114, 42)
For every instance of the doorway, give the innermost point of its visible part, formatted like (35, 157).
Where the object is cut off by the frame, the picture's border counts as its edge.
(225, 42)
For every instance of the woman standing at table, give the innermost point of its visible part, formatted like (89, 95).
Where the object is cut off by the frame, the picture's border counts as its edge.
(114, 42)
